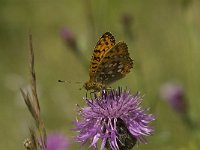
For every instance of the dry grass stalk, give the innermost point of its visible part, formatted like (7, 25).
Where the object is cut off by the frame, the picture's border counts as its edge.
(32, 102)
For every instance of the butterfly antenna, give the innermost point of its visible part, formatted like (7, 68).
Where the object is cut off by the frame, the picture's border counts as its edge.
(78, 82)
(64, 81)
(86, 95)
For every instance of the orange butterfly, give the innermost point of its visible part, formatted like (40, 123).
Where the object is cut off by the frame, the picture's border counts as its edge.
(110, 62)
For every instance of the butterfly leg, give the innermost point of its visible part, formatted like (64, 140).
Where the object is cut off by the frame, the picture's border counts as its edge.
(86, 95)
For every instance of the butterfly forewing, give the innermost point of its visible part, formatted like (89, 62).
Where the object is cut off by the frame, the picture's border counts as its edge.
(115, 64)
(105, 43)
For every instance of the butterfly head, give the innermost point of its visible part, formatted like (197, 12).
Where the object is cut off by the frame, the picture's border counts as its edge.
(90, 85)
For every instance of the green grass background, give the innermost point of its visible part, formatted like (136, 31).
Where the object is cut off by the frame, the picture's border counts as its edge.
(165, 47)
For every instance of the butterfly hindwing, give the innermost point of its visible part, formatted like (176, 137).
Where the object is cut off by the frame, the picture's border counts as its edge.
(115, 64)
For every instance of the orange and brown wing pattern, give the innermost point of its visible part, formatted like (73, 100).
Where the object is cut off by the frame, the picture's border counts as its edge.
(105, 43)
(115, 64)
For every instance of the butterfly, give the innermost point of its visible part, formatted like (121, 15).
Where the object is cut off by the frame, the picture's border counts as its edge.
(110, 62)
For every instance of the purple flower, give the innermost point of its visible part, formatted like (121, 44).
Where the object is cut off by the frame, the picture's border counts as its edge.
(57, 141)
(127, 23)
(69, 39)
(173, 93)
(127, 19)
(116, 118)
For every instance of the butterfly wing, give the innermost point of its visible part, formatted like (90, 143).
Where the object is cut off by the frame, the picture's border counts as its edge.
(106, 42)
(115, 64)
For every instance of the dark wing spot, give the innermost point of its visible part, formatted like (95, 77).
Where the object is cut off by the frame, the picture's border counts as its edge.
(94, 67)
(103, 63)
(97, 58)
(107, 57)
(97, 51)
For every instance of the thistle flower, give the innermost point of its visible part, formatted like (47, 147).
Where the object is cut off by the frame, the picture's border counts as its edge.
(69, 39)
(116, 118)
(126, 19)
(174, 94)
(57, 141)
(127, 23)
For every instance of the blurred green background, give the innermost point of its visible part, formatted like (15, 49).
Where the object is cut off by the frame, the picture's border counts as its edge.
(163, 38)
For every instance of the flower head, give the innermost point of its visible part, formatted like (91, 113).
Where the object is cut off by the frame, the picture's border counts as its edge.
(127, 19)
(69, 38)
(127, 23)
(57, 141)
(116, 118)
(174, 94)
